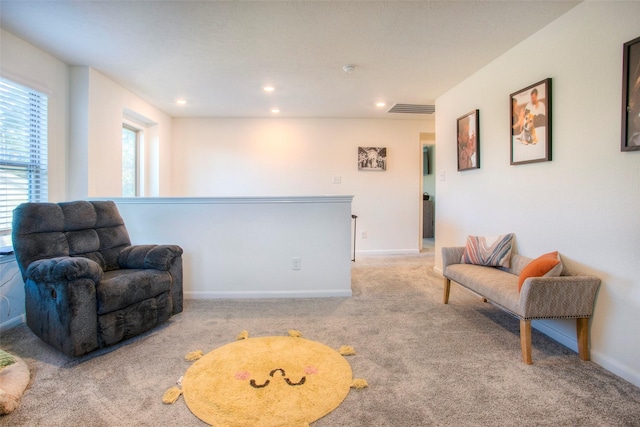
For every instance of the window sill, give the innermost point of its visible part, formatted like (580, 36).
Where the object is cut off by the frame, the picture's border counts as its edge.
(6, 254)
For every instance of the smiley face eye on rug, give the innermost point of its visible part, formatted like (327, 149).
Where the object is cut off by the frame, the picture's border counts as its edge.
(266, 381)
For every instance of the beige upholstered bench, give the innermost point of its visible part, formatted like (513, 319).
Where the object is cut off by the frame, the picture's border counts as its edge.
(564, 296)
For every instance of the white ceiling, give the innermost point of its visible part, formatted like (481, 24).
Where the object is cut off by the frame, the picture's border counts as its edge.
(219, 54)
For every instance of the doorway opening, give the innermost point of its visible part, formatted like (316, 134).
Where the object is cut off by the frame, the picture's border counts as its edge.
(428, 190)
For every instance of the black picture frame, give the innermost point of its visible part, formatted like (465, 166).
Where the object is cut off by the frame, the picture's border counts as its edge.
(372, 158)
(631, 96)
(468, 143)
(531, 123)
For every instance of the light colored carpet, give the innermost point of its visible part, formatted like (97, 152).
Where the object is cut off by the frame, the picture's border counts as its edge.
(427, 364)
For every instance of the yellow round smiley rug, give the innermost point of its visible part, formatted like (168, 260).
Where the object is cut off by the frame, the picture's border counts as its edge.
(266, 381)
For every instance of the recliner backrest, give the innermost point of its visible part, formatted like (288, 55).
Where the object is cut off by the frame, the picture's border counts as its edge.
(90, 229)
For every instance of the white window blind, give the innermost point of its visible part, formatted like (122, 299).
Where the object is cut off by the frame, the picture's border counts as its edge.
(23, 149)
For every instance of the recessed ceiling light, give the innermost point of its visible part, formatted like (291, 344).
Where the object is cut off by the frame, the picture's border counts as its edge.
(275, 110)
(380, 104)
(269, 88)
(181, 102)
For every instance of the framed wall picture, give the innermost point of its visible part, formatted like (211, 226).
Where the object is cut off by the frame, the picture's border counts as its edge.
(372, 158)
(469, 141)
(631, 96)
(531, 123)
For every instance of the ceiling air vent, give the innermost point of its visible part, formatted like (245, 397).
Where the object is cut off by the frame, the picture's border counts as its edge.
(412, 109)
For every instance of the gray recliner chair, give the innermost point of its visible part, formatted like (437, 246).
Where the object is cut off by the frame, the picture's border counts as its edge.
(86, 286)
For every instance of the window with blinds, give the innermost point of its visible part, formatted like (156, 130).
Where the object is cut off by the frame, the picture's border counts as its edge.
(23, 149)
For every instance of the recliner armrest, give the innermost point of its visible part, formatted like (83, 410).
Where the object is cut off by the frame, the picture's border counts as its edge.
(63, 269)
(157, 257)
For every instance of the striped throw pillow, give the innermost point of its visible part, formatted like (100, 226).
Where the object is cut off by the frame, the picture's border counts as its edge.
(489, 251)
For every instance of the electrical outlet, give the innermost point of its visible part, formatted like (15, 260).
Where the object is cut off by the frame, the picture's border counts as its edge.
(337, 179)
(296, 263)
(363, 234)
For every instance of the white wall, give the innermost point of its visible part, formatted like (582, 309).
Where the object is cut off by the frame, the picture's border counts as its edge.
(29, 66)
(299, 157)
(585, 203)
(243, 247)
(85, 118)
(96, 128)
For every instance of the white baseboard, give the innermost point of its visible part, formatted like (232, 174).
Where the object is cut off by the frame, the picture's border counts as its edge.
(555, 334)
(596, 357)
(12, 323)
(366, 253)
(268, 294)
(616, 368)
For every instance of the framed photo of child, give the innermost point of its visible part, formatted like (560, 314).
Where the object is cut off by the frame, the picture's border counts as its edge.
(531, 123)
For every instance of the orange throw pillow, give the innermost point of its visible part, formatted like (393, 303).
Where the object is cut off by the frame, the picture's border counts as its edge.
(544, 265)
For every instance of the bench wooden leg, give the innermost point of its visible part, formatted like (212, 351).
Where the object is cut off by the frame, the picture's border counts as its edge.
(582, 333)
(525, 341)
(447, 287)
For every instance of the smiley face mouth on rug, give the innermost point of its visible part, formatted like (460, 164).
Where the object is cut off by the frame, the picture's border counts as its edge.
(282, 374)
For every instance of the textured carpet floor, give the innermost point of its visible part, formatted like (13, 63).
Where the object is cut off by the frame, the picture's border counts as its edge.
(427, 364)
